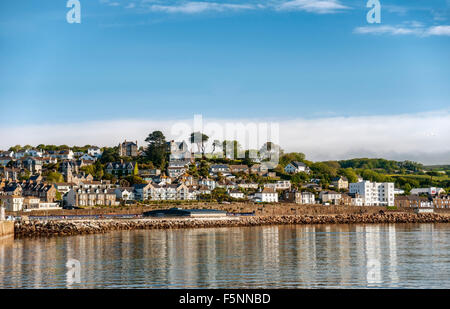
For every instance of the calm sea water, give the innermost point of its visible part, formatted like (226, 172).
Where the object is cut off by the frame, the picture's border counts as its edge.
(325, 256)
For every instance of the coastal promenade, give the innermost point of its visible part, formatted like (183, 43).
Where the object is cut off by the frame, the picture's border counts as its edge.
(27, 228)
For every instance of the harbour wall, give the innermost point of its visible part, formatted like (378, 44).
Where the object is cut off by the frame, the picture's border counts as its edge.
(80, 227)
(6, 228)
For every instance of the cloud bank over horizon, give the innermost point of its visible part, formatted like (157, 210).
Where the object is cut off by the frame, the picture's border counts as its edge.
(418, 137)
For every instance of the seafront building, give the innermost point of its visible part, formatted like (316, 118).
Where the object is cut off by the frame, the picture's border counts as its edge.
(266, 195)
(36, 179)
(374, 193)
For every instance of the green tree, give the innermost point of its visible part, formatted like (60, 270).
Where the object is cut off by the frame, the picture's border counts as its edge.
(203, 169)
(216, 144)
(200, 140)
(270, 152)
(16, 148)
(110, 155)
(287, 158)
(157, 148)
(432, 174)
(350, 174)
(55, 177)
(299, 178)
(88, 169)
(408, 188)
(134, 180)
(231, 149)
(58, 196)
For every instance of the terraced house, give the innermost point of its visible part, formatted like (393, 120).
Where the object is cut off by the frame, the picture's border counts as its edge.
(122, 168)
(90, 197)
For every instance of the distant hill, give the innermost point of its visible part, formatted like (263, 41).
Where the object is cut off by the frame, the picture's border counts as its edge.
(438, 167)
(383, 164)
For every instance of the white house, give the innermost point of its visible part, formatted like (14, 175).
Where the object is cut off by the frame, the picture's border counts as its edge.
(279, 185)
(35, 153)
(236, 194)
(8, 153)
(248, 185)
(176, 172)
(124, 193)
(398, 191)
(330, 197)
(64, 187)
(12, 202)
(5, 160)
(308, 198)
(211, 184)
(374, 193)
(142, 192)
(268, 195)
(219, 168)
(429, 191)
(296, 167)
(95, 152)
(88, 157)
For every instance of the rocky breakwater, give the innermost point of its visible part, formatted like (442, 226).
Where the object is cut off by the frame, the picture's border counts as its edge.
(80, 227)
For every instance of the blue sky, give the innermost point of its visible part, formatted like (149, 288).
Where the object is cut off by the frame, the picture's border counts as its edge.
(263, 59)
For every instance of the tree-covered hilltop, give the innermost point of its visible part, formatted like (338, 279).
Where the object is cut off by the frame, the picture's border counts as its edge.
(155, 154)
(388, 166)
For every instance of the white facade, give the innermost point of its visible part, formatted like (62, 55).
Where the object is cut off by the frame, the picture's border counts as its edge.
(12, 203)
(296, 167)
(374, 193)
(88, 157)
(124, 194)
(279, 185)
(357, 200)
(330, 196)
(399, 191)
(35, 153)
(237, 194)
(95, 152)
(429, 191)
(267, 195)
(211, 184)
(308, 198)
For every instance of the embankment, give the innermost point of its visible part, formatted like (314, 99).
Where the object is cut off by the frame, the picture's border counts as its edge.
(80, 227)
(258, 209)
(6, 228)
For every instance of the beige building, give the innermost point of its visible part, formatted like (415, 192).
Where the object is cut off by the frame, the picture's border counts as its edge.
(91, 197)
(331, 197)
(340, 183)
(12, 202)
(128, 149)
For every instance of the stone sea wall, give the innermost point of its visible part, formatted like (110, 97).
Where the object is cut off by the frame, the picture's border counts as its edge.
(6, 228)
(81, 227)
(258, 209)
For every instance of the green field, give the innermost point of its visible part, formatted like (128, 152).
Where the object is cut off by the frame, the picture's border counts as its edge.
(435, 178)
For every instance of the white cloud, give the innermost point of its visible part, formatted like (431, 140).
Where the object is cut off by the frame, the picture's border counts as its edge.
(196, 7)
(439, 30)
(393, 30)
(412, 28)
(110, 3)
(199, 7)
(313, 6)
(421, 137)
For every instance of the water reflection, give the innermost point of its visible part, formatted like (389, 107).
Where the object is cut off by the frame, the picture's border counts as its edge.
(413, 256)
